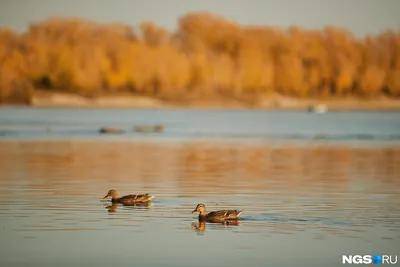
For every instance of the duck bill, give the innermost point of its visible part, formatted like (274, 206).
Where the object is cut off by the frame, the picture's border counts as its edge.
(105, 197)
(194, 211)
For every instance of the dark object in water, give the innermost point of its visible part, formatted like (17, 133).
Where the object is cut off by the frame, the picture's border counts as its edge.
(216, 216)
(129, 199)
(149, 128)
(319, 108)
(113, 130)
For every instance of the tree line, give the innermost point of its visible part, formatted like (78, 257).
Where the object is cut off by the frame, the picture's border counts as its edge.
(206, 57)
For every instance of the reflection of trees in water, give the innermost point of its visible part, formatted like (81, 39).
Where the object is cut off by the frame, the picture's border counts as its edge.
(197, 164)
(289, 165)
(202, 163)
(325, 163)
(380, 164)
(107, 161)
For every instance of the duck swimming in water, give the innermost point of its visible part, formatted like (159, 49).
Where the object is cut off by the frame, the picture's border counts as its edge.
(129, 199)
(216, 216)
(149, 128)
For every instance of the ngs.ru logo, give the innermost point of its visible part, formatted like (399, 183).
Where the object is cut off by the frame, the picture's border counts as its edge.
(369, 259)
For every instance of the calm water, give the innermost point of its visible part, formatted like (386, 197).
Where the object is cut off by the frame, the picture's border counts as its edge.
(313, 187)
(181, 125)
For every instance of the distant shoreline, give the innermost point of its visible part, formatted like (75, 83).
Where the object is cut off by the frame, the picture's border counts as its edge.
(63, 100)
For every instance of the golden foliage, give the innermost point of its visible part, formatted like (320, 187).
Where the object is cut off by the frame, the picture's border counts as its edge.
(371, 80)
(393, 82)
(154, 35)
(208, 55)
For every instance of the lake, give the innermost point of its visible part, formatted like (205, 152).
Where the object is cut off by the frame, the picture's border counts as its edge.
(313, 187)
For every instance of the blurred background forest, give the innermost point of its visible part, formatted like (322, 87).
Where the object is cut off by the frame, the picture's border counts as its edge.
(208, 57)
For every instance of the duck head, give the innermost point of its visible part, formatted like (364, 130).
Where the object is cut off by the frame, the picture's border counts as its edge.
(112, 193)
(200, 208)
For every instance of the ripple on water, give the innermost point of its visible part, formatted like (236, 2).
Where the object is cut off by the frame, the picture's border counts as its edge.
(303, 199)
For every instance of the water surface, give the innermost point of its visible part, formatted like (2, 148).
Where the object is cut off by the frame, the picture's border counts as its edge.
(306, 202)
(350, 127)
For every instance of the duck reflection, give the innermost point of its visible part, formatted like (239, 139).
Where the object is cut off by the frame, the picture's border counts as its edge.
(113, 207)
(201, 225)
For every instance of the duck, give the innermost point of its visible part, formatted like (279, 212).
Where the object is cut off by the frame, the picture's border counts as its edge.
(149, 128)
(216, 216)
(129, 199)
(111, 130)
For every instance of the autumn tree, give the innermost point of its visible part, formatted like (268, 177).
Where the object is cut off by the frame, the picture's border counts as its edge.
(14, 87)
(208, 56)
(154, 35)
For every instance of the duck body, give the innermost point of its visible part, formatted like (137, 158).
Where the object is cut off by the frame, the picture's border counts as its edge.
(216, 216)
(132, 199)
(128, 199)
(111, 130)
(149, 128)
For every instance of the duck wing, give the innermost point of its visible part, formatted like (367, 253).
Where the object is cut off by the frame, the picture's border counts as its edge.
(217, 214)
(136, 198)
(225, 214)
(144, 197)
(233, 214)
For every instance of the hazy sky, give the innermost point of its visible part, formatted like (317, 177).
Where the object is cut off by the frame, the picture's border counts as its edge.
(359, 16)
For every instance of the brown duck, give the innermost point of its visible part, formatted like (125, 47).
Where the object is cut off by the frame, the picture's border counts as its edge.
(129, 199)
(216, 216)
(149, 128)
(111, 130)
